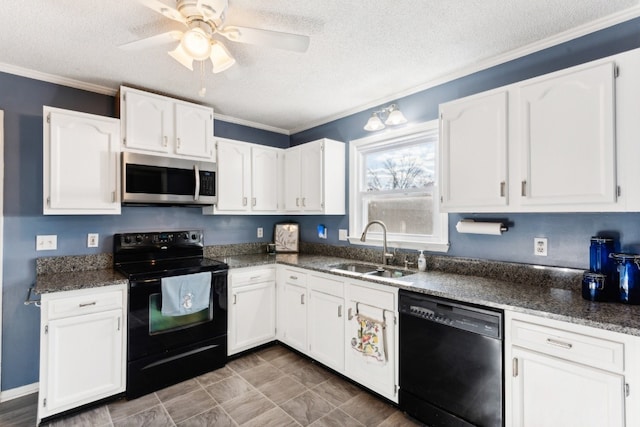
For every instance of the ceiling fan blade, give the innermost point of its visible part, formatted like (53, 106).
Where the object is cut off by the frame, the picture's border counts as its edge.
(159, 39)
(287, 41)
(163, 9)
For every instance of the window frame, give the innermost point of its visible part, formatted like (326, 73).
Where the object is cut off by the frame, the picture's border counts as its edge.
(439, 240)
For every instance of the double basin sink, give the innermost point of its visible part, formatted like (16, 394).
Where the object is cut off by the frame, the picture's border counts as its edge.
(358, 269)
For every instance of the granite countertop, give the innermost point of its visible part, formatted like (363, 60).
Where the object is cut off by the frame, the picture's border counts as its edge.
(544, 300)
(551, 298)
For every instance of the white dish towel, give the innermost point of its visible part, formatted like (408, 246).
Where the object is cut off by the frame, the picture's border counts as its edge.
(182, 295)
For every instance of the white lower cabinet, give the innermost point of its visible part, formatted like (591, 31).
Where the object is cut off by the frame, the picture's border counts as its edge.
(562, 374)
(252, 308)
(292, 308)
(82, 348)
(370, 302)
(325, 319)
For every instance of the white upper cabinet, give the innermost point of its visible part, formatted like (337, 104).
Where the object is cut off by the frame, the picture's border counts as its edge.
(561, 142)
(248, 178)
(314, 176)
(568, 137)
(474, 169)
(156, 124)
(80, 163)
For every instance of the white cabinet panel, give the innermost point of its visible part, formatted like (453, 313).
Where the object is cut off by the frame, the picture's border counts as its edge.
(553, 392)
(568, 137)
(326, 321)
(265, 172)
(474, 139)
(147, 122)
(294, 316)
(252, 316)
(234, 175)
(80, 163)
(194, 130)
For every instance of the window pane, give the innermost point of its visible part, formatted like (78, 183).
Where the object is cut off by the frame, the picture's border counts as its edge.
(400, 168)
(407, 215)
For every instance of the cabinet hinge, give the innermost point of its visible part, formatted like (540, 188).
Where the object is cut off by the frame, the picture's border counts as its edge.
(49, 201)
(626, 389)
(124, 96)
(395, 389)
(46, 330)
(124, 141)
(441, 116)
(618, 191)
(49, 118)
(216, 145)
(514, 367)
(616, 71)
(44, 402)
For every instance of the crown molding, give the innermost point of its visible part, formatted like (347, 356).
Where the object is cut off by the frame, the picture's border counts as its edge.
(255, 125)
(565, 36)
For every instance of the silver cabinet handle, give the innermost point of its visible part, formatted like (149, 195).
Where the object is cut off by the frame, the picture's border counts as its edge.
(235, 299)
(298, 201)
(293, 277)
(244, 201)
(340, 310)
(178, 143)
(118, 324)
(524, 188)
(502, 188)
(350, 313)
(166, 142)
(87, 304)
(254, 277)
(514, 367)
(253, 201)
(561, 344)
(304, 202)
(302, 299)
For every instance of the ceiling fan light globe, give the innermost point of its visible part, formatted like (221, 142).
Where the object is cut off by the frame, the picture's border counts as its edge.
(220, 57)
(182, 57)
(395, 118)
(196, 43)
(374, 123)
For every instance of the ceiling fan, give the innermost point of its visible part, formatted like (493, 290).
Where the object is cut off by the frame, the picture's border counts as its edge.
(204, 19)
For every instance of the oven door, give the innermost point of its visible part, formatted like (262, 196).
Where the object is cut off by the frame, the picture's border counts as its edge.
(151, 333)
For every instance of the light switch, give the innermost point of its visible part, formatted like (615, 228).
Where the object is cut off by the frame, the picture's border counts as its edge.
(47, 243)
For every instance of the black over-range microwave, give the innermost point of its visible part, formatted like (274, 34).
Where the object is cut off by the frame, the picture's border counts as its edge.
(157, 180)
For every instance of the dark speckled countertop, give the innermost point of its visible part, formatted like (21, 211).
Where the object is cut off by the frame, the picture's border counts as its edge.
(552, 297)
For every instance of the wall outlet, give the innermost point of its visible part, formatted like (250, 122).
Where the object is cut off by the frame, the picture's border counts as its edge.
(92, 240)
(342, 234)
(540, 246)
(47, 243)
(260, 233)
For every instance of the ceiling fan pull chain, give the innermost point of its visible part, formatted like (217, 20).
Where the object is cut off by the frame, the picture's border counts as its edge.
(203, 90)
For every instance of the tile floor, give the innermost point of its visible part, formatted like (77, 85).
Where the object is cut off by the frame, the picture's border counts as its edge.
(271, 387)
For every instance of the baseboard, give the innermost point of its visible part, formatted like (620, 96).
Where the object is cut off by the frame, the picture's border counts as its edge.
(17, 392)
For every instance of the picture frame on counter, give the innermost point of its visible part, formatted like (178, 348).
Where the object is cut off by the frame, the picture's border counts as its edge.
(286, 237)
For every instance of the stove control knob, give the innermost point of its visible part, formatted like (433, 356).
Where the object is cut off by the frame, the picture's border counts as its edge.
(139, 238)
(194, 236)
(127, 239)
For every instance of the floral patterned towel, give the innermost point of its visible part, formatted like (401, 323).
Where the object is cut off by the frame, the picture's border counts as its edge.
(369, 339)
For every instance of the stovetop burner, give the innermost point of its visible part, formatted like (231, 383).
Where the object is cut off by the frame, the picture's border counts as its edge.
(148, 255)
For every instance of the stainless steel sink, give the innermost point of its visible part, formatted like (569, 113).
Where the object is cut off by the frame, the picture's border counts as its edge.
(371, 270)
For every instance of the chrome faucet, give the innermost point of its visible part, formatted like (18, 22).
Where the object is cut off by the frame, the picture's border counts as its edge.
(363, 238)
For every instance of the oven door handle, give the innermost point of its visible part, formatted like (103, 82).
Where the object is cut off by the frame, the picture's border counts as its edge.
(196, 196)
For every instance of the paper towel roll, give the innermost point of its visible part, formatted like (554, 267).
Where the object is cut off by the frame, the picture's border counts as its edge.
(470, 226)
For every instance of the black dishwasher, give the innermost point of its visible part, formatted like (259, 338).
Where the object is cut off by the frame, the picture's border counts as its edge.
(451, 362)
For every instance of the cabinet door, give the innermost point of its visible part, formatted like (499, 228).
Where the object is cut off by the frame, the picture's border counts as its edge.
(581, 396)
(311, 177)
(568, 138)
(85, 357)
(292, 179)
(148, 122)
(252, 316)
(234, 172)
(294, 316)
(194, 131)
(264, 179)
(474, 152)
(326, 329)
(81, 164)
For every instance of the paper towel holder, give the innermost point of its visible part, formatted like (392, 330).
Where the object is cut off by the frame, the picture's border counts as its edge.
(472, 226)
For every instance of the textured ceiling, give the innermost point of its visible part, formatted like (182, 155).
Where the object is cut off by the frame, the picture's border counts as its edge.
(361, 52)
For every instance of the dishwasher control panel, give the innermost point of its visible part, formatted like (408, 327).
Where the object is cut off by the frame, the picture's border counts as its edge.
(466, 317)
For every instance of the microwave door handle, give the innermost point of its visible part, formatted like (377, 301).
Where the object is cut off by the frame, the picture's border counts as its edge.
(197, 192)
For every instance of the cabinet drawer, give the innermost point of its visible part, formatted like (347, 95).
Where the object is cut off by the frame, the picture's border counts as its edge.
(295, 277)
(326, 285)
(585, 349)
(373, 297)
(252, 277)
(84, 304)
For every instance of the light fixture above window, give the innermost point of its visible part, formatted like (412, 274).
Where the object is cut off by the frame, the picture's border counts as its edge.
(388, 116)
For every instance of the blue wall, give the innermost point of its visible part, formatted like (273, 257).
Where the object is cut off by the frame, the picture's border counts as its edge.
(22, 100)
(568, 234)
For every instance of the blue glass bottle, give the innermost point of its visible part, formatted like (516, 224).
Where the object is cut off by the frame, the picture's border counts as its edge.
(628, 269)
